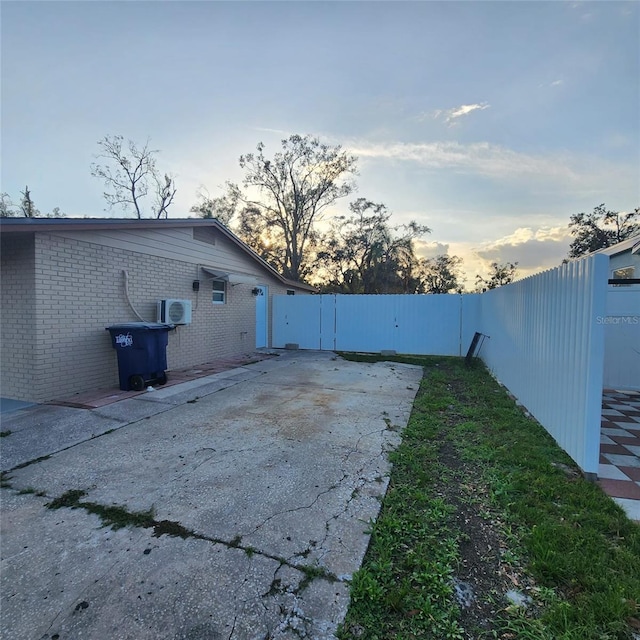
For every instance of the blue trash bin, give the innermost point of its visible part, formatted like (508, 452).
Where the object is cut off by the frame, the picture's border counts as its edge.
(142, 353)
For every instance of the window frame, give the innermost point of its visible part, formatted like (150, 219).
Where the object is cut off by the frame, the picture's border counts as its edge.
(219, 292)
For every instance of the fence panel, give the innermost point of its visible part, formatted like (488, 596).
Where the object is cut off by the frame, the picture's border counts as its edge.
(622, 338)
(468, 320)
(427, 324)
(296, 319)
(547, 347)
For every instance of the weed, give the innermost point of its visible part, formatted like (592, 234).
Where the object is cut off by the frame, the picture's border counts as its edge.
(70, 499)
(169, 528)
(311, 573)
(115, 517)
(4, 434)
(4, 480)
(31, 491)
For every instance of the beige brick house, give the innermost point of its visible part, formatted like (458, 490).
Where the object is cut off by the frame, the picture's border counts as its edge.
(64, 280)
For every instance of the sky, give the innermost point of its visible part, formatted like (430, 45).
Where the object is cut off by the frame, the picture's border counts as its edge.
(490, 122)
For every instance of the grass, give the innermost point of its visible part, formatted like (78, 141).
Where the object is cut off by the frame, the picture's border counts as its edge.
(476, 482)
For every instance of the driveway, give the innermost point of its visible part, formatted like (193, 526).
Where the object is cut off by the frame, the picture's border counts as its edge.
(246, 498)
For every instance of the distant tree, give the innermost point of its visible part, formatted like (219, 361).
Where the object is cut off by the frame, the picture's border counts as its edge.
(284, 197)
(7, 208)
(600, 229)
(499, 275)
(25, 209)
(364, 254)
(130, 175)
(441, 274)
(221, 208)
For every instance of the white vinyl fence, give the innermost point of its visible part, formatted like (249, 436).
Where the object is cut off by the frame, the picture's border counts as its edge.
(546, 346)
(622, 338)
(546, 339)
(413, 324)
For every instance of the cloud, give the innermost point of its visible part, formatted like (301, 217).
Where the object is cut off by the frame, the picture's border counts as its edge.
(533, 249)
(481, 158)
(451, 116)
(553, 83)
(426, 249)
(464, 110)
(534, 171)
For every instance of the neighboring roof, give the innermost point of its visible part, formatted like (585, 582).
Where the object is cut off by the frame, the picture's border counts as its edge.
(630, 244)
(32, 225)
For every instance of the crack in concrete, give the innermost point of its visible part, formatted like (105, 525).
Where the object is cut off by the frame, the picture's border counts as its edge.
(300, 508)
(71, 499)
(360, 483)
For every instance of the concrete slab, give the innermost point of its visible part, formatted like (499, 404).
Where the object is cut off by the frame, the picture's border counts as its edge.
(9, 405)
(265, 489)
(45, 429)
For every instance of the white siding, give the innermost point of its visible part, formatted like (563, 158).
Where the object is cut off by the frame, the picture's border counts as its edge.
(622, 338)
(172, 244)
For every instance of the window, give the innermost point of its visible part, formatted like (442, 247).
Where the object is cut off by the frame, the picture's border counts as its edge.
(219, 292)
(291, 292)
(624, 273)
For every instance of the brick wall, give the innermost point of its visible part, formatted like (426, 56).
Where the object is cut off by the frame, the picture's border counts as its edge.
(17, 320)
(80, 290)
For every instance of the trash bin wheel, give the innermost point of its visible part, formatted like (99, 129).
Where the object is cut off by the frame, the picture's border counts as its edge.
(136, 382)
(162, 378)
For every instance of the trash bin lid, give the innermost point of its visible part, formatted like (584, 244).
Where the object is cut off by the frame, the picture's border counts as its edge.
(141, 326)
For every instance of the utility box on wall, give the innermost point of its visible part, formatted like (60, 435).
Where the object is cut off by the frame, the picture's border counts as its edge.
(174, 311)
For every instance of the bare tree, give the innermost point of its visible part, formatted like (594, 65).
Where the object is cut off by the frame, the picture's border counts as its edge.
(285, 196)
(130, 175)
(27, 207)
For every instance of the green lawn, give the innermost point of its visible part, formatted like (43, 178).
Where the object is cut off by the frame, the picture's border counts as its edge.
(481, 497)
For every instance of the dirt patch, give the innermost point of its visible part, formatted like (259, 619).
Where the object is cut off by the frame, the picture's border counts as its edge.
(480, 580)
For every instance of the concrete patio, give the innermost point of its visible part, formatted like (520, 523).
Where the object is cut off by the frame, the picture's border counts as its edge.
(258, 484)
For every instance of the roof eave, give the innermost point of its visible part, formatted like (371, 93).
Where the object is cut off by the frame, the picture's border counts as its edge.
(33, 225)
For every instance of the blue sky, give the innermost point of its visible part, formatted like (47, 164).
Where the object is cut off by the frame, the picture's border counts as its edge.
(490, 122)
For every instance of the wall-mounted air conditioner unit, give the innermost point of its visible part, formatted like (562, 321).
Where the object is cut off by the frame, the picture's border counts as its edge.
(174, 311)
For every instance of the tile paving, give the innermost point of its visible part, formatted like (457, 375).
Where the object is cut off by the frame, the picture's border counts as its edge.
(619, 469)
